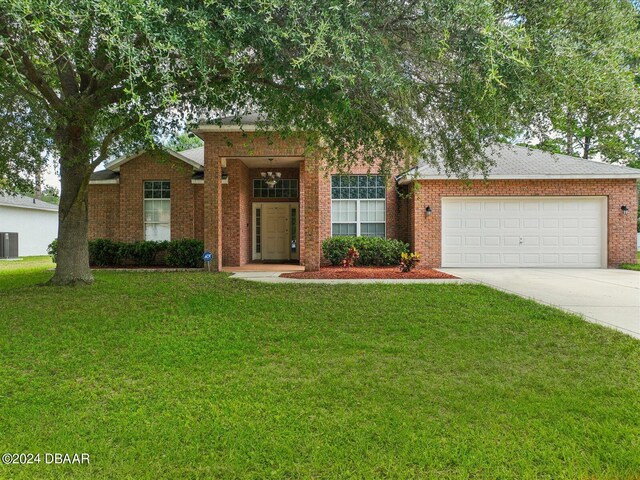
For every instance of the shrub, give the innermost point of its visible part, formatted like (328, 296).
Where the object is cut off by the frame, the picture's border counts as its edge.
(351, 257)
(373, 250)
(104, 253)
(185, 253)
(177, 253)
(52, 249)
(409, 261)
(143, 253)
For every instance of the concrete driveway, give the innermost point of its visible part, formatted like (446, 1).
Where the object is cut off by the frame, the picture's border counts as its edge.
(608, 297)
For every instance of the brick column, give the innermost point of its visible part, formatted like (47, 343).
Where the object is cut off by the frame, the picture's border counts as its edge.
(310, 252)
(213, 203)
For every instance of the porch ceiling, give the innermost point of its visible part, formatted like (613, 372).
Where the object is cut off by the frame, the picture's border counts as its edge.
(263, 162)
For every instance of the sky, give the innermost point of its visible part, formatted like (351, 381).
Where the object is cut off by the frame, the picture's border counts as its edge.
(51, 178)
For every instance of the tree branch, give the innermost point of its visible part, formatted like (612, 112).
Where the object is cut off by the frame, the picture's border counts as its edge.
(27, 68)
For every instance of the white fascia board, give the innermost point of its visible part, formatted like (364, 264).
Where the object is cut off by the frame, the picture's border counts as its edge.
(249, 127)
(207, 127)
(113, 181)
(406, 180)
(29, 207)
(115, 165)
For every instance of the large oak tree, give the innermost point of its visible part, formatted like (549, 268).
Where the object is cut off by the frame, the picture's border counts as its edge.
(86, 80)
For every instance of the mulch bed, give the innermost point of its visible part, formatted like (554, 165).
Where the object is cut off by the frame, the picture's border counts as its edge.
(369, 273)
(148, 268)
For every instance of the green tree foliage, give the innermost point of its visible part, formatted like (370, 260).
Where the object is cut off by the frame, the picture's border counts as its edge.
(183, 141)
(89, 80)
(593, 75)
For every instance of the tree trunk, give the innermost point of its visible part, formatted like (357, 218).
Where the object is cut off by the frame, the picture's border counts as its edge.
(587, 148)
(72, 257)
(570, 139)
(569, 150)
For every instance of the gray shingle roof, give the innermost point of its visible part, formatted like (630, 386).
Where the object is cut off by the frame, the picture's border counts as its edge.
(514, 162)
(249, 119)
(194, 154)
(22, 201)
(102, 175)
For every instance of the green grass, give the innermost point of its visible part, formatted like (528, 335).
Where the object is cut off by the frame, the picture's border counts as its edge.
(26, 264)
(195, 375)
(632, 266)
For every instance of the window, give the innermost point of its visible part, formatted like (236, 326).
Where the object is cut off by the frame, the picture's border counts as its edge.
(285, 188)
(157, 210)
(258, 227)
(358, 205)
(294, 231)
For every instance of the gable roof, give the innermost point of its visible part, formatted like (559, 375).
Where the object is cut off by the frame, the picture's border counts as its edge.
(104, 177)
(243, 123)
(192, 156)
(22, 201)
(195, 155)
(523, 163)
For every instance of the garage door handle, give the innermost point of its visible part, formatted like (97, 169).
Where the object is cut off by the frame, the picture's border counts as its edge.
(521, 240)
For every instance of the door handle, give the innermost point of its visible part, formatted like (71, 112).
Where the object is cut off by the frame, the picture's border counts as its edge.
(521, 240)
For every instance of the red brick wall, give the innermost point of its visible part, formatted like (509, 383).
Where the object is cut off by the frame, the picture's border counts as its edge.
(198, 211)
(104, 209)
(311, 209)
(125, 200)
(236, 215)
(425, 232)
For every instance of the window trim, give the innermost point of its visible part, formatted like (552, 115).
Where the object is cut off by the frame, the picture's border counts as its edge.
(358, 221)
(144, 210)
(297, 189)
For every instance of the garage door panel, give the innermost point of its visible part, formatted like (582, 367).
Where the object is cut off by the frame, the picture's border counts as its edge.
(452, 223)
(530, 241)
(472, 223)
(590, 223)
(511, 223)
(523, 231)
(553, 259)
(472, 241)
(511, 241)
(491, 223)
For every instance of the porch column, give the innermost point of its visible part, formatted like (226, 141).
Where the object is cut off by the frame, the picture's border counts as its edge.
(213, 203)
(310, 210)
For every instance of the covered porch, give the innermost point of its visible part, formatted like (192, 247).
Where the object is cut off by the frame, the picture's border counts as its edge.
(256, 224)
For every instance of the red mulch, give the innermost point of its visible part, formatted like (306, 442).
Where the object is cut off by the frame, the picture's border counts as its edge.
(369, 272)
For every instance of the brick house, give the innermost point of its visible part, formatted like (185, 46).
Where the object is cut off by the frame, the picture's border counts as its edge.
(534, 209)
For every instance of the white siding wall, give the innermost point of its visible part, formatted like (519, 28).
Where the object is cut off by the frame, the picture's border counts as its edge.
(36, 228)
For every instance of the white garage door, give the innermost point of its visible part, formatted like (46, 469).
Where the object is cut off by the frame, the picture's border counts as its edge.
(524, 232)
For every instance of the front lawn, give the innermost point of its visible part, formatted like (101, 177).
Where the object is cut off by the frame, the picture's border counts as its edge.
(195, 375)
(632, 266)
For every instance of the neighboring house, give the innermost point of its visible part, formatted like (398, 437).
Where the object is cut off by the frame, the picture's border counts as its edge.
(35, 221)
(534, 210)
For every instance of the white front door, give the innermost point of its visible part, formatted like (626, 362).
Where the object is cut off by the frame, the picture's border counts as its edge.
(565, 232)
(275, 227)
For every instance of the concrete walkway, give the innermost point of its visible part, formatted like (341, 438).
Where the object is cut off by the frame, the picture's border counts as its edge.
(608, 297)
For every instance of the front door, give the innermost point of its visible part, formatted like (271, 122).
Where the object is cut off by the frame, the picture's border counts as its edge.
(275, 225)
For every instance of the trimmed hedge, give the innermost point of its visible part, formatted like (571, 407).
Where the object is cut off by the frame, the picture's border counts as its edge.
(103, 252)
(374, 251)
(185, 253)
